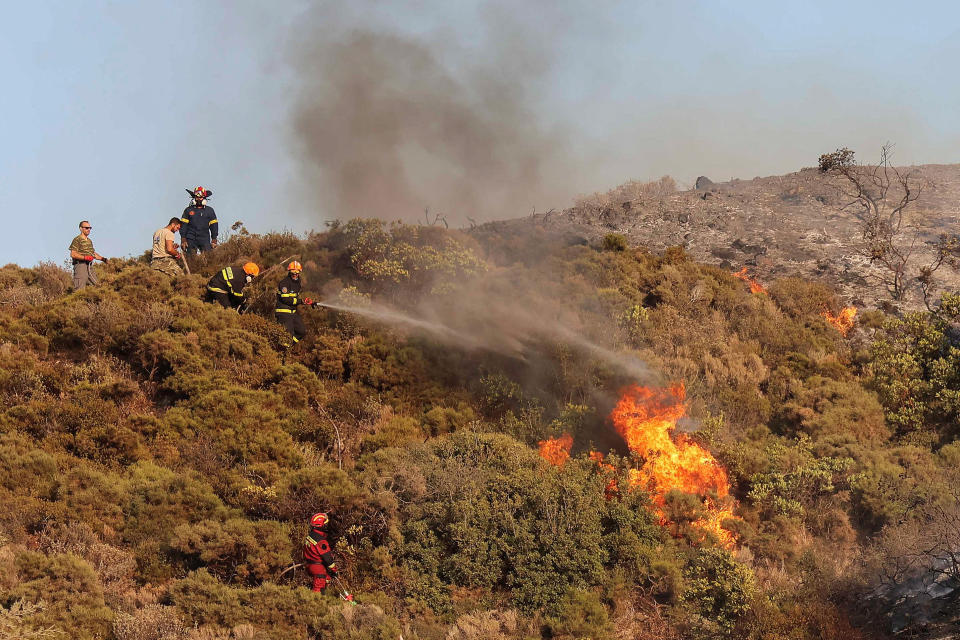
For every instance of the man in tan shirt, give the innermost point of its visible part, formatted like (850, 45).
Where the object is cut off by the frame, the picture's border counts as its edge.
(165, 255)
(82, 254)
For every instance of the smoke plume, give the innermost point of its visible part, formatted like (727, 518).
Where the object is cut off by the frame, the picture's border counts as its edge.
(388, 125)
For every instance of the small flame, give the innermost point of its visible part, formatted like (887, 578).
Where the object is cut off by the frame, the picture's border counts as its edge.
(556, 451)
(645, 418)
(755, 287)
(843, 321)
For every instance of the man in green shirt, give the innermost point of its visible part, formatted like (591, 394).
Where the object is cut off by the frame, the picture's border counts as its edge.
(82, 254)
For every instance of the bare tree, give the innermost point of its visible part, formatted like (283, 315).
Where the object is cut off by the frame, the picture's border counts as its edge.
(882, 194)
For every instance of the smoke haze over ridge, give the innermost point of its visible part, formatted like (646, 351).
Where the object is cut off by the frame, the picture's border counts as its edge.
(386, 127)
(545, 101)
(501, 110)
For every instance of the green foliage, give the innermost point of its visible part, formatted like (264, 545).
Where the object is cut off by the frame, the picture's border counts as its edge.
(419, 259)
(719, 589)
(614, 242)
(236, 550)
(581, 614)
(138, 424)
(69, 587)
(916, 372)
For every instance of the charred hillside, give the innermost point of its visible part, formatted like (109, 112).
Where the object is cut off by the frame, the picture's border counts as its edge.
(515, 434)
(802, 224)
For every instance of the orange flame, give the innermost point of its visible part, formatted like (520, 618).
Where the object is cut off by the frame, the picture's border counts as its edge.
(843, 321)
(556, 451)
(755, 287)
(645, 418)
(612, 488)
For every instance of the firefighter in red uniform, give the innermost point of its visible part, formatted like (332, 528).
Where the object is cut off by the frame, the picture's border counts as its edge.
(317, 553)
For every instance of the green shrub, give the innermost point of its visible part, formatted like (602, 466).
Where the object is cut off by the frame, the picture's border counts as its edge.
(236, 550)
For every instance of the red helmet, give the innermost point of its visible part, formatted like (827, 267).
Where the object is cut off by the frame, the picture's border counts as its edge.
(319, 521)
(200, 193)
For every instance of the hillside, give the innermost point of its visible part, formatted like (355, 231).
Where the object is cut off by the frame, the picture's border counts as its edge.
(777, 226)
(518, 434)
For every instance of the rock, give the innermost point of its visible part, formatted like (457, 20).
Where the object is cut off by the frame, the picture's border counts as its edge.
(724, 253)
(704, 184)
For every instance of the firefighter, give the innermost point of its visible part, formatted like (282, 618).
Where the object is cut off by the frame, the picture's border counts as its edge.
(288, 301)
(318, 554)
(200, 225)
(226, 286)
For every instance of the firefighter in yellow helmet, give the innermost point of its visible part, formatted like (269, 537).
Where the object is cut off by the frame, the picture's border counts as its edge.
(289, 301)
(226, 286)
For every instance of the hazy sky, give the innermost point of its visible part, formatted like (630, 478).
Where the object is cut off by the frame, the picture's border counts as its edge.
(111, 109)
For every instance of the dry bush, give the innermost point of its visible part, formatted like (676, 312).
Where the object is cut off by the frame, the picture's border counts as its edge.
(641, 620)
(633, 192)
(490, 624)
(155, 622)
(61, 537)
(15, 623)
(22, 296)
(52, 279)
(239, 632)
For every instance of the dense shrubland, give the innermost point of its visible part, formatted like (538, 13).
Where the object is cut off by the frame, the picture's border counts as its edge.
(159, 456)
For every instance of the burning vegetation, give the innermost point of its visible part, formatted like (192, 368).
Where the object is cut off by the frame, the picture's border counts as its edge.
(671, 463)
(755, 287)
(556, 451)
(647, 419)
(843, 321)
(426, 448)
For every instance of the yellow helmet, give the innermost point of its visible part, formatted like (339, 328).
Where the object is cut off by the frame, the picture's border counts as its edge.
(294, 266)
(251, 269)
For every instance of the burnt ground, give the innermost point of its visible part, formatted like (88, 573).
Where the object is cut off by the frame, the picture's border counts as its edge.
(777, 226)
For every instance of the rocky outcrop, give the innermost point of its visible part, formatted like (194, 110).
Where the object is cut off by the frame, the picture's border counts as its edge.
(792, 225)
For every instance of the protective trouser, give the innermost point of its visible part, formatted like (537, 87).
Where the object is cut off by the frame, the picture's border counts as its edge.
(83, 275)
(193, 245)
(293, 323)
(320, 576)
(222, 298)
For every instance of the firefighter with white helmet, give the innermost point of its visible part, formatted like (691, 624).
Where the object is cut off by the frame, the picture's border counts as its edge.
(200, 225)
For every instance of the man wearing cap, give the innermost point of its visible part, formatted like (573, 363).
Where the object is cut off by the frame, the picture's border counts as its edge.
(226, 286)
(82, 254)
(164, 255)
(199, 223)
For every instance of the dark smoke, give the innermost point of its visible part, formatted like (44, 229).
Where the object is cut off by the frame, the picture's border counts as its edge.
(388, 125)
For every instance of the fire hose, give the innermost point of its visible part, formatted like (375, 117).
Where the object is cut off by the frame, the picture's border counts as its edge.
(342, 591)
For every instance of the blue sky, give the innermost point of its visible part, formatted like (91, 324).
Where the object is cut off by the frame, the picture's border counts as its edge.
(111, 109)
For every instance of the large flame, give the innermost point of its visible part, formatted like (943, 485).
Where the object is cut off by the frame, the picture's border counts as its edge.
(646, 418)
(755, 287)
(556, 451)
(843, 321)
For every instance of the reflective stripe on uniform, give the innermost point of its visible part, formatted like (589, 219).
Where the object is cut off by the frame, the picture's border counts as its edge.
(184, 221)
(285, 310)
(228, 276)
(288, 295)
(212, 221)
(216, 290)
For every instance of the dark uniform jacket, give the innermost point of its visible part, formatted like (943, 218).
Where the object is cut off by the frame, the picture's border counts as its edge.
(288, 295)
(230, 281)
(199, 224)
